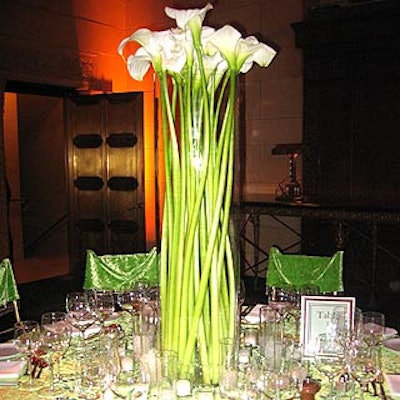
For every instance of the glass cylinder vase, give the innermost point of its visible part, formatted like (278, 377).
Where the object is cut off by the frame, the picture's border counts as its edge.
(199, 273)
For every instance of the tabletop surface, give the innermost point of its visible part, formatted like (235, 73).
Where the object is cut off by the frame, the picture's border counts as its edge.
(390, 361)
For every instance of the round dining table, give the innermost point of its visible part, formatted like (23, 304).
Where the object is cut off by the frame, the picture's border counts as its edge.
(68, 372)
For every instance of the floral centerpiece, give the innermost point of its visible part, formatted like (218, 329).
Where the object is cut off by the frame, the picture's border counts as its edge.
(197, 67)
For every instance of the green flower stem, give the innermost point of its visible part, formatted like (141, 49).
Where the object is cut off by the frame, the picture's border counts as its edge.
(197, 278)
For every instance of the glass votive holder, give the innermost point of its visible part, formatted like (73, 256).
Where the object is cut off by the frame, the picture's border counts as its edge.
(249, 335)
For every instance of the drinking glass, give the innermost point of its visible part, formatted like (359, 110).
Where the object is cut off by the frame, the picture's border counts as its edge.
(362, 368)
(128, 301)
(373, 324)
(128, 378)
(281, 300)
(80, 313)
(137, 304)
(104, 305)
(55, 321)
(373, 327)
(51, 346)
(25, 335)
(229, 373)
(281, 385)
(328, 360)
(269, 337)
(98, 373)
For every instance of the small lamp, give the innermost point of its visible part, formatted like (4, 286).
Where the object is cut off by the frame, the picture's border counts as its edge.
(289, 190)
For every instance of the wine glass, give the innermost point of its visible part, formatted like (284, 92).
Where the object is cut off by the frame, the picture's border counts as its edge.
(128, 301)
(373, 324)
(55, 321)
(51, 346)
(329, 359)
(281, 300)
(25, 334)
(80, 313)
(104, 305)
(362, 367)
(373, 329)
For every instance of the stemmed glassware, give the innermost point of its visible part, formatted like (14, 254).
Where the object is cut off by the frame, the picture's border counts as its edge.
(373, 329)
(51, 346)
(362, 367)
(138, 303)
(80, 312)
(26, 333)
(329, 360)
(128, 301)
(373, 324)
(55, 321)
(104, 305)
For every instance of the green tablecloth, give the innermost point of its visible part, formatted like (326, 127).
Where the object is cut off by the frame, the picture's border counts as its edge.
(391, 365)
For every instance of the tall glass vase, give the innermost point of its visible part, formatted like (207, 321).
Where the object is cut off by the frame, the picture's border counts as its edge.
(199, 255)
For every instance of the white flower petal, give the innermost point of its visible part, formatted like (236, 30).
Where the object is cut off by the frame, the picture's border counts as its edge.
(185, 17)
(138, 66)
(225, 40)
(250, 50)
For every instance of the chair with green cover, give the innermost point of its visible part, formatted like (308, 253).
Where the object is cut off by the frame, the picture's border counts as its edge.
(9, 297)
(121, 271)
(303, 270)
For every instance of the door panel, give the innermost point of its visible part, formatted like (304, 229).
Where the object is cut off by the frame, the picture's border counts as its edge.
(106, 173)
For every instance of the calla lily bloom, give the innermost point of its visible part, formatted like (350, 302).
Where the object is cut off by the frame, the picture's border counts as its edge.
(192, 18)
(165, 50)
(239, 53)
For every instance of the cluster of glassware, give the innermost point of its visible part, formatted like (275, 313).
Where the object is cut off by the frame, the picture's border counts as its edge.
(106, 357)
(346, 357)
(266, 363)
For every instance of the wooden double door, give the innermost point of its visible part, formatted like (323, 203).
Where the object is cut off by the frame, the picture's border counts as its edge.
(106, 174)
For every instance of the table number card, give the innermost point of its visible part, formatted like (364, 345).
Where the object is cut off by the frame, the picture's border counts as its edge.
(317, 313)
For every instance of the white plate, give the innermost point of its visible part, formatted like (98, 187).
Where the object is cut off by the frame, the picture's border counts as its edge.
(8, 351)
(389, 332)
(392, 344)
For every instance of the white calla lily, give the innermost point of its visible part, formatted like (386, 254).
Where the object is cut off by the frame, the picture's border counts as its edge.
(164, 49)
(192, 18)
(250, 50)
(239, 53)
(138, 64)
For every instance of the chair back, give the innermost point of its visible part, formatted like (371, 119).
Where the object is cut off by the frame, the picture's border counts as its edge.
(121, 271)
(302, 270)
(9, 297)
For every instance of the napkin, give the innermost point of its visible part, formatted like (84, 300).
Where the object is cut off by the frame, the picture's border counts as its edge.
(393, 382)
(10, 371)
